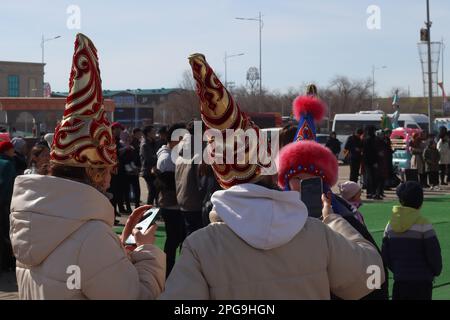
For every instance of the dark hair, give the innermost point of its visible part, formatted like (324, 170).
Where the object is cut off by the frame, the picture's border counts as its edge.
(442, 132)
(147, 130)
(162, 130)
(175, 127)
(359, 131)
(370, 130)
(287, 135)
(36, 151)
(68, 172)
(190, 127)
(136, 130)
(410, 194)
(267, 182)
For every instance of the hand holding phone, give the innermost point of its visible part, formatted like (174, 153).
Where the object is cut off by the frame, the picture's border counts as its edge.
(311, 195)
(139, 233)
(145, 237)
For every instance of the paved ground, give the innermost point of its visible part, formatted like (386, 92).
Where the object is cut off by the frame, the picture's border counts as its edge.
(8, 286)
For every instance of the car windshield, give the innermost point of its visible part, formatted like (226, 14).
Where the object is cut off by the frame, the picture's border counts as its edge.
(423, 126)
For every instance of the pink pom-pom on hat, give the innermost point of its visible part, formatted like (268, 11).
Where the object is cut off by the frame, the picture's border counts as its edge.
(309, 105)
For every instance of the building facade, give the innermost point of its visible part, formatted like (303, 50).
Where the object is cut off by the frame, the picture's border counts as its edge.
(134, 108)
(21, 79)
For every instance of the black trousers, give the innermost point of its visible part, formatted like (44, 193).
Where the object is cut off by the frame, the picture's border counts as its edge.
(433, 177)
(412, 290)
(114, 190)
(124, 191)
(444, 172)
(152, 192)
(355, 165)
(193, 221)
(134, 183)
(175, 235)
(372, 179)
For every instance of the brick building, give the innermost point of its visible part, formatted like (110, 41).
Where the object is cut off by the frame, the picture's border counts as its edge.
(21, 79)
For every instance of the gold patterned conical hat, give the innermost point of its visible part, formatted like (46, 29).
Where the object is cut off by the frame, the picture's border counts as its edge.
(219, 111)
(84, 137)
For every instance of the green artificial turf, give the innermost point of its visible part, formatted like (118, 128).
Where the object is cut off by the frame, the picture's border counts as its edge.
(376, 215)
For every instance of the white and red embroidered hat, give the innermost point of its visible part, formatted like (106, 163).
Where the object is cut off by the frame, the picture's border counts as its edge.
(84, 138)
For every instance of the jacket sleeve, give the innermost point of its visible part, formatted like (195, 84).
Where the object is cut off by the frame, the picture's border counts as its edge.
(143, 157)
(439, 145)
(349, 259)
(108, 273)
(186, 281)
(385, 250)
(433, 251)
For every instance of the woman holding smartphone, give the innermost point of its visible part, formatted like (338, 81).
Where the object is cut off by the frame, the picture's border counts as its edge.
(61, 224)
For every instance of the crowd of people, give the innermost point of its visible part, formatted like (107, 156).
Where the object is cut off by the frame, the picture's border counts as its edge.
(369, 153)
(243, 234)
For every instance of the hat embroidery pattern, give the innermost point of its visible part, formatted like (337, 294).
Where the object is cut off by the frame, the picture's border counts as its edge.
(220, 111)
(84, 138)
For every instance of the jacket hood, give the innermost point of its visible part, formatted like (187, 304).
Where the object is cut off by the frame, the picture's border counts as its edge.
(46, 210)
(163, 149)
(403, 218)
(262, 217)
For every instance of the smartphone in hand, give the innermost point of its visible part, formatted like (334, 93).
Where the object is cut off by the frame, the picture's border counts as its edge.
(311, 196)
(148, 219)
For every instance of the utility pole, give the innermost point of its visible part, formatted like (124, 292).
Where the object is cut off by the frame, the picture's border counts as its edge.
(260, 23)
(430, 78)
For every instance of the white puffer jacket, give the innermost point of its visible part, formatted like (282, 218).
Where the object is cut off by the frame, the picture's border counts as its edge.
(61, 230)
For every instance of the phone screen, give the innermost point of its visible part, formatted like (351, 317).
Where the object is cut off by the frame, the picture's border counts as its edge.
(148, 219)
(311, 195)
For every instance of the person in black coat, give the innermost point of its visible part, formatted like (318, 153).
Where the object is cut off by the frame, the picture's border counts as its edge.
(353, 151)
(371, 152)
(148, 156)
(334, 144)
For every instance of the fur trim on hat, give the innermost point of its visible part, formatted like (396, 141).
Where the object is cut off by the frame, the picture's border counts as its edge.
(307, 157)
(309, 104)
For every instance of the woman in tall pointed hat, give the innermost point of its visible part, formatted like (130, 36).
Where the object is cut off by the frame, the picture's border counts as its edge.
(62, 223)
(261, 244)
(305, 158)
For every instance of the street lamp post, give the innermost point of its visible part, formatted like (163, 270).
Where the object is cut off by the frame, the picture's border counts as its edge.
(43, 41)
(260, 22)
(373, 81)
(225, 61)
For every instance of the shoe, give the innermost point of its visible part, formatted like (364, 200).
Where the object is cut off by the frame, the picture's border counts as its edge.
(444, 183)
(378, 197)
(436, 188)
(369, 196)
(116, 222)
(122, 210)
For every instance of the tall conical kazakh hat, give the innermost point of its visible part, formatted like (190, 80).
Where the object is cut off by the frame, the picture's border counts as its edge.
(84, 138)
(219, 111)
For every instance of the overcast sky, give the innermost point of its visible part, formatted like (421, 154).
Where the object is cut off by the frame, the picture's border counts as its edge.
(145, 44)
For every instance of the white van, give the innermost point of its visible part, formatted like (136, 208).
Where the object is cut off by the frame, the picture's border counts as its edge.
(441, 122)
(345, 124)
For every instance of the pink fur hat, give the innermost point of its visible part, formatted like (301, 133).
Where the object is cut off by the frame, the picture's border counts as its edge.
(307, 157)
